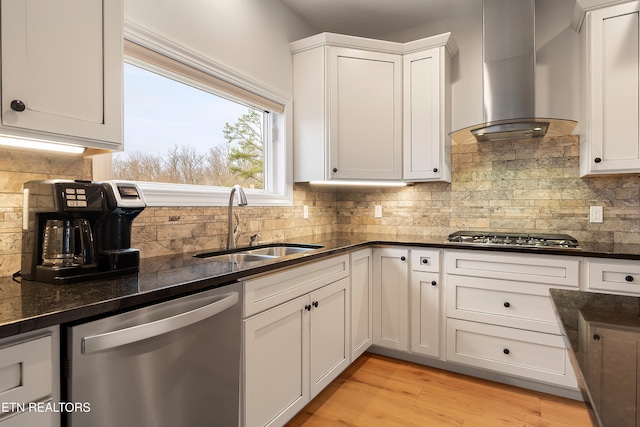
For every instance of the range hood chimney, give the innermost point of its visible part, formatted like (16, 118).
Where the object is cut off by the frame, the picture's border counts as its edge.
(509, 62)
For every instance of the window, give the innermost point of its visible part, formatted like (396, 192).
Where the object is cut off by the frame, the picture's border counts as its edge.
(189, 134)
(176, 133)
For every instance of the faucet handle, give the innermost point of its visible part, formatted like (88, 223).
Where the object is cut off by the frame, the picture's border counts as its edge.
(254, 239)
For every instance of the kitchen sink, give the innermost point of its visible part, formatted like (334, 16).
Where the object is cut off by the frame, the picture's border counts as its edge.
(238, 257)
(258, 253)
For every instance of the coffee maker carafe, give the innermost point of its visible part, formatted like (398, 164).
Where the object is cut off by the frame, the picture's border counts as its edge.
(67, 242)
(79, 230)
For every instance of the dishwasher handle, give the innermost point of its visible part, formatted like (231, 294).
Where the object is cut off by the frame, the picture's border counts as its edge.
(95, 343)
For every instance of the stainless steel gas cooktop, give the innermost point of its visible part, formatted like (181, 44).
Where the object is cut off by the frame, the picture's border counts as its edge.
(528, 240)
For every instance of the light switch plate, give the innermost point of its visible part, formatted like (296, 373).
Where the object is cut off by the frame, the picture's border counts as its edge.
(378, 211)
(595, 214)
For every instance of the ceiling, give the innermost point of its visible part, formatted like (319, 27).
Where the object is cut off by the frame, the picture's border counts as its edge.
(370, 18)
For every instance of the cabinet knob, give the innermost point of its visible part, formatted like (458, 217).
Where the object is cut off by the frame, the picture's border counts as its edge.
(506, 351)
(335, 169)
(433, 283)
(17, 105)
(315, 303)
(435, 169)
(597, 160)
(402, 258)
(307, 307)
(629, 278)
(507, 304)
(425, 261)
(596, 337)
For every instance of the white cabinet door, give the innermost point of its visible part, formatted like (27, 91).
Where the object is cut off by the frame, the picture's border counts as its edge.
(427, 122)
(425, 312)
(390, 298)
(365, 114)
(361, 302)
(63, 61)
(612, 140)
(329, 334)
(276, 377)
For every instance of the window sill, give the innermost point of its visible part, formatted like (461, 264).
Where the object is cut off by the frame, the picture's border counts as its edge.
(162, 194)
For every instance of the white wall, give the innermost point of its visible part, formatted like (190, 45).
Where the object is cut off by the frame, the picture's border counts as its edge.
(249, 36)
(557, 72)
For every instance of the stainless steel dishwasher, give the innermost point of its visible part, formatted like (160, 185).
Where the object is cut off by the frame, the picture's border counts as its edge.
(176, 363)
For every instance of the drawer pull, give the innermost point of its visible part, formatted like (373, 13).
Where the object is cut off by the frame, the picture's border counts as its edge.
(433, 283)
(629, 278)
(596, 337)
(425, 260)
(506, 351)
(507, 304)
(402, 258)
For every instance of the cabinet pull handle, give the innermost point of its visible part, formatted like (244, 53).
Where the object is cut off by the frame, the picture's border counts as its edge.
(425, 260)
(596, 337)
(17, 105)
(335, 169)
(597, 160)
(629, 278)
(435, 169)
(433, 283)
(402, 258)
(507, 304)
(315, 304)
(307, 307)
(506, 351)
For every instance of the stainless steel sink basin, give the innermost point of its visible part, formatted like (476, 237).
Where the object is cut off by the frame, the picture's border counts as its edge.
(257, 253)
(238, 257)
(280, 251)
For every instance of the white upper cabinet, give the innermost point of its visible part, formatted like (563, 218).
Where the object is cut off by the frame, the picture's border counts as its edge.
(62, 71)
(427, 115)
(610, 143)
(350, 121)
(365, 114)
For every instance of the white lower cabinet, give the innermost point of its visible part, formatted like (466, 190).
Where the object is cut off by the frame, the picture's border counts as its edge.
(511, 351)
(295, 348)
(425, 312)
(500, 316)
(390, 298)
(29, 373)
(361, 301)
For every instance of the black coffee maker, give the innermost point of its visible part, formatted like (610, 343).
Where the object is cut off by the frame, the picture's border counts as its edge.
(79, 230)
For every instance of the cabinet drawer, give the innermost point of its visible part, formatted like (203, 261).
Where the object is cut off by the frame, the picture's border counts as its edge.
(26, 370)
(29, 419)
(501, 302)
(533, 355)
(546, 269)
(614, 276)
(425, 260)
(268, 291)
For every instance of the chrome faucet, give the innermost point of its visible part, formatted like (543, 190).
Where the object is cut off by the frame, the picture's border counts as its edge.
(234, 234)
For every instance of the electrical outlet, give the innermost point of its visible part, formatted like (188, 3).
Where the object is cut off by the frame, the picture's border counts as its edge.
(595, 214)
(378, 211)
(305, 212)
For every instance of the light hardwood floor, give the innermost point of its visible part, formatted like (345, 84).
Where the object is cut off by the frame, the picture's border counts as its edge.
(380, 391)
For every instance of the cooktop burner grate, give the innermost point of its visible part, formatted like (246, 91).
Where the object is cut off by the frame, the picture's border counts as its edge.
(529, 240)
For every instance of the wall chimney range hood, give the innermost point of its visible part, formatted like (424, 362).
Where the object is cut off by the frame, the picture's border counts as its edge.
(508, 80)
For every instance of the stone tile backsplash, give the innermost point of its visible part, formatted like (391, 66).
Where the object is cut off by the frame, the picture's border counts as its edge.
(524, 185)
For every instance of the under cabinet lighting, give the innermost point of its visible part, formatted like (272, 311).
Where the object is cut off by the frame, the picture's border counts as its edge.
(361, 183)
(35, 144)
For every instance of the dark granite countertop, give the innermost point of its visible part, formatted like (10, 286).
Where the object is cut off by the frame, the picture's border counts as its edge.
(578, 311)
(30, 305)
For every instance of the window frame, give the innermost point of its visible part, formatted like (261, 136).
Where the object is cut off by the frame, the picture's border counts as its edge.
(278, 155)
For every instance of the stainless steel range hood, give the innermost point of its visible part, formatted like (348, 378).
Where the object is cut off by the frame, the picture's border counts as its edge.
(509, 62)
